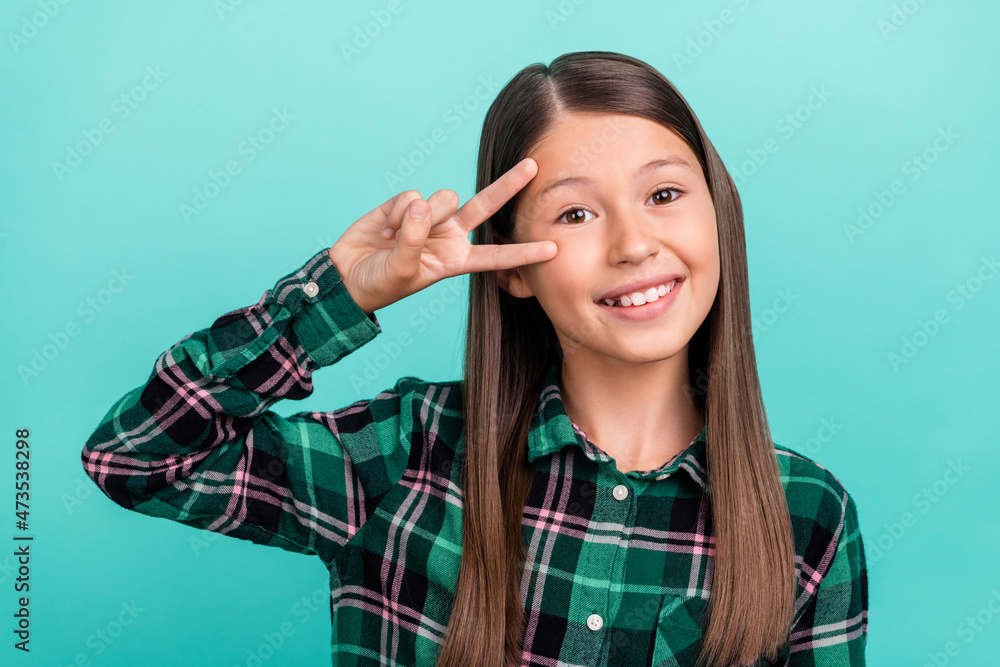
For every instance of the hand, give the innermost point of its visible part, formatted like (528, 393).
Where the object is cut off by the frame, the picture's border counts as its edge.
(389, 253)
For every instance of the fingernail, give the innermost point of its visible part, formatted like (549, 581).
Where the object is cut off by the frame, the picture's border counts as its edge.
(387, 232)
(419, 211)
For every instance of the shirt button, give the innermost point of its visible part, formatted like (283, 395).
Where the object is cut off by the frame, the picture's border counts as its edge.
(311, 289)
(595, 622)
(620, 492)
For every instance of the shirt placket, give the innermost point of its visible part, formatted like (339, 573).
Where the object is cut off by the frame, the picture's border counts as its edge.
(614, 513)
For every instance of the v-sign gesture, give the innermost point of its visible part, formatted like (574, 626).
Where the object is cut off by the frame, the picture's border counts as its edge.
(390, 252)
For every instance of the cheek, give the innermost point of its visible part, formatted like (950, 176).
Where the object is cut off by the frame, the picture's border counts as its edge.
(559, 282)
(699, 250)
(572, 270)
(554, 281)
(708, 268)
(707, 250)
(704, 245)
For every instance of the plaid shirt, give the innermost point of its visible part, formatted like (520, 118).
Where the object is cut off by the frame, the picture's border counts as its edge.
(619, 565)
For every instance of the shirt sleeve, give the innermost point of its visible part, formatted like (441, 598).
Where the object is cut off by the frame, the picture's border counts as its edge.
(198, 443)
(833, 630)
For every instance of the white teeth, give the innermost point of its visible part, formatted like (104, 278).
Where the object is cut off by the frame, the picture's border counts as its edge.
(640, 298)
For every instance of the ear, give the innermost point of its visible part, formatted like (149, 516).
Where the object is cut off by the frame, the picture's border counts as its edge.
(512, 282)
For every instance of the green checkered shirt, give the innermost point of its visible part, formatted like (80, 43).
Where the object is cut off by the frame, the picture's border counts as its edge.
(619, 565)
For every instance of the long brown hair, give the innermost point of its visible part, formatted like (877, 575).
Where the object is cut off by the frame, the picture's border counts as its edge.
(510, 341)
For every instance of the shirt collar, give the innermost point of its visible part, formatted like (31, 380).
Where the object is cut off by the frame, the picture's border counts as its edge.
(552, 429)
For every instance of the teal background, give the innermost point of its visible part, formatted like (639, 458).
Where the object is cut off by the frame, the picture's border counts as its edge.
(829, 309)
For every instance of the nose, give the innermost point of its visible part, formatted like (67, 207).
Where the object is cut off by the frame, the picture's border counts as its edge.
(632, 239)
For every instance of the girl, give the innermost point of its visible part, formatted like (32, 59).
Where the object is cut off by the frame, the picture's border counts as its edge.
(600, 489)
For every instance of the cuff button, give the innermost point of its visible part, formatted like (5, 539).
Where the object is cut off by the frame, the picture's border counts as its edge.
(311, 289)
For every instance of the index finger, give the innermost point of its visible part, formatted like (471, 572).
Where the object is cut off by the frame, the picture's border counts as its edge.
(491, 199)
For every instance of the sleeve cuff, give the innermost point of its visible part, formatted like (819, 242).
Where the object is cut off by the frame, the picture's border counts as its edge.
(327, 321)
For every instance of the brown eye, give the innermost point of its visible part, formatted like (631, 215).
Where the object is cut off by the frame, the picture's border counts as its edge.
(668, 200)
(577, 219)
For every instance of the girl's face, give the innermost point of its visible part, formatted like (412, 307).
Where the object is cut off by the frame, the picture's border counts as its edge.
(625, 201)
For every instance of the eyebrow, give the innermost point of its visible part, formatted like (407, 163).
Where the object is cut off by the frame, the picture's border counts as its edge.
(672, 161)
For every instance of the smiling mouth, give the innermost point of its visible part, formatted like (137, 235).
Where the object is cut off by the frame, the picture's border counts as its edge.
(636, 299)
